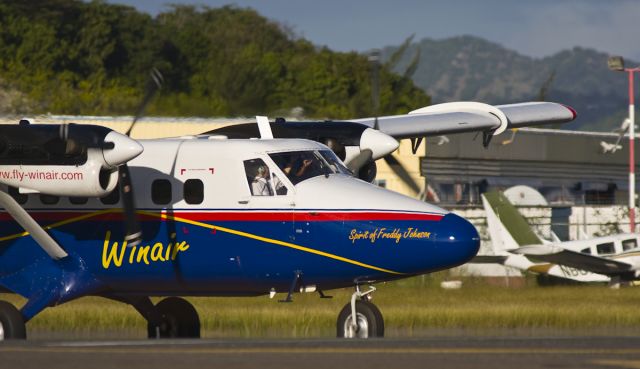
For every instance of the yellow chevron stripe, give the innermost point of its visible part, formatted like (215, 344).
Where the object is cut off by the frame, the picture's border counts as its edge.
(62, 222)
(210, 226)
(268, 240)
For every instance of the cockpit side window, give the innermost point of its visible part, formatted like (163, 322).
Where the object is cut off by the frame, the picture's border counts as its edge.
(257, 173)
(260, 179)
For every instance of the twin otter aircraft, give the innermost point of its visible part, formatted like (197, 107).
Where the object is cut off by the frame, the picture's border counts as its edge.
(222, 214)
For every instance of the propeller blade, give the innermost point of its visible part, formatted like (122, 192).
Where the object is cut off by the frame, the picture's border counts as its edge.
(154, 83)
(360, 160)
(401, 172)
(134, 234)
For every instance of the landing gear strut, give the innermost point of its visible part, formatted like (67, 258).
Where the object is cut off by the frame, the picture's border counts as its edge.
(175, 318)
(11, 323)
(360, 318)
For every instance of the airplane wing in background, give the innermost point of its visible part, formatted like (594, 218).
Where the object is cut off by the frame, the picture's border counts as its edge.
(459, 117)
(558, 255)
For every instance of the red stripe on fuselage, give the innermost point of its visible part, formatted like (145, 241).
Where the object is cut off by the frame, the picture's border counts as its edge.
(242, 216)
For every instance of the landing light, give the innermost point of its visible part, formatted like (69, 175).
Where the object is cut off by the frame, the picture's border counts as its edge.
(452, 238)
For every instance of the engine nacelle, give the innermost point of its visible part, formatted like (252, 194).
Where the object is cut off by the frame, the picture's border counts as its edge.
(64, 160)
(91, 179)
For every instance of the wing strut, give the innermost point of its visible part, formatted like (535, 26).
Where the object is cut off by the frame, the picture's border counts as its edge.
(48, 244)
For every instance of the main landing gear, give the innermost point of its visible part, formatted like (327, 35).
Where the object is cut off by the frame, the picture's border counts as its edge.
(360, 318)
(173, 317)
(11, 323)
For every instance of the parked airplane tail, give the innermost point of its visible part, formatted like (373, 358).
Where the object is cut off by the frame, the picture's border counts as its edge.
(508, 229)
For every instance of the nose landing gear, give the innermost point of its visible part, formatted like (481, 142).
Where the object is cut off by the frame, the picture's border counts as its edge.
(360, 318)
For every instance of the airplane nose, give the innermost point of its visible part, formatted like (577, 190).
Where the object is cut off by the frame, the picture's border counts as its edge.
(457, 239)
(124, 149)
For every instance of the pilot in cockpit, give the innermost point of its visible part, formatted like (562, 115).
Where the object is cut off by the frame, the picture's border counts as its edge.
(262, 184)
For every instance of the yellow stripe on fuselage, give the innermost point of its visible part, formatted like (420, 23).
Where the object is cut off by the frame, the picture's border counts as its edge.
(165, 216)
(268, 240)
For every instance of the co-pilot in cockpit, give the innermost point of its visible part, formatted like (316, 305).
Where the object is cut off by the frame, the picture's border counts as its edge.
(301, 165)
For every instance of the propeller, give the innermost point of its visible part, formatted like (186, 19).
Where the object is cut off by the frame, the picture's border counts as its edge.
(402, 172)
(359, 161)
(374, 144)
(134, 233)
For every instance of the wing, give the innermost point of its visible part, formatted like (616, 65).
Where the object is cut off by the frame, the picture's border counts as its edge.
(459, 117)
(558, 255)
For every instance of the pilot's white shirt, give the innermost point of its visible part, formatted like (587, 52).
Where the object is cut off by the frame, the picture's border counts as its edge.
(261, 186)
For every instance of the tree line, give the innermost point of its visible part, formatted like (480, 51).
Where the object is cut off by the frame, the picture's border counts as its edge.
(74, 57)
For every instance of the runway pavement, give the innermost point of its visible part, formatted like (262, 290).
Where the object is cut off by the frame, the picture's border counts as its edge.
(449, 352)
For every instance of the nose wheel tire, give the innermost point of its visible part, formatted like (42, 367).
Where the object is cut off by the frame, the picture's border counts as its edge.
(178, 319)
(369, 321)
(11, 323)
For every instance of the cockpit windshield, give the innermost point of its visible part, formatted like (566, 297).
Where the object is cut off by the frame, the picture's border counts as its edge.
(301, 165)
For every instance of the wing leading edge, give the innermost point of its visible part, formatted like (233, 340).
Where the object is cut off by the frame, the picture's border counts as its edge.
(460, 117)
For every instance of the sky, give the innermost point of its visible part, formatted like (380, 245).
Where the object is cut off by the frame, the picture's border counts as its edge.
(534, 28)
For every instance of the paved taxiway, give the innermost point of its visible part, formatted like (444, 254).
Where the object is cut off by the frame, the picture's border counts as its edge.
(449, 352)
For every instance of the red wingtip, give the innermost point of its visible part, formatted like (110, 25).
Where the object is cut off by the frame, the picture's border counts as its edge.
(572, 110)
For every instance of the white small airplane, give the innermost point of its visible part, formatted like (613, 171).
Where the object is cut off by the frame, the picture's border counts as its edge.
(612, 259)
(218, 216)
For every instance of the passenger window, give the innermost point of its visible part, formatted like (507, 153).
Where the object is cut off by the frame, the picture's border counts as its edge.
(605, 248)
(586, 251)
(161, 191)
(21, 198)
(258, 177)
(629, 244)
(193, 191)
(49, 199)
(112, 198)
(78, 200)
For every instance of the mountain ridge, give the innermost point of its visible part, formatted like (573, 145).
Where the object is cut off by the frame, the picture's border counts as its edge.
(472, 68)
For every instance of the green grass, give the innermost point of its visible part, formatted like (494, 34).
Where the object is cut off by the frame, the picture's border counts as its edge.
(411, 307)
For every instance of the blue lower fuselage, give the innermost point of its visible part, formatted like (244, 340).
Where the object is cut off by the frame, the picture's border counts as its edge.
(213, 252)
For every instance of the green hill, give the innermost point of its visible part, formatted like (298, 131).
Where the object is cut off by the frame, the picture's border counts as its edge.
(74, 57)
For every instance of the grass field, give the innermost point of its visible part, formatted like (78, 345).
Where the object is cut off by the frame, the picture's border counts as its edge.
(412, 307)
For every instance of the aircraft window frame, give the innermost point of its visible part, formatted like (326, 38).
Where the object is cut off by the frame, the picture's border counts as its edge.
(259, 185)
(47, 199)
(334, 162)
(193, 191)
(111, 198)
(21, 198)
(300, 165)
(627, 242)
(161, 191)
(606, 248)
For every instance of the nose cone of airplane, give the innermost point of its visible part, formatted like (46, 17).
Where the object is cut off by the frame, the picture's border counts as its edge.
(124, 149)
(453, 241)
(457, 239)
(380, 144)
